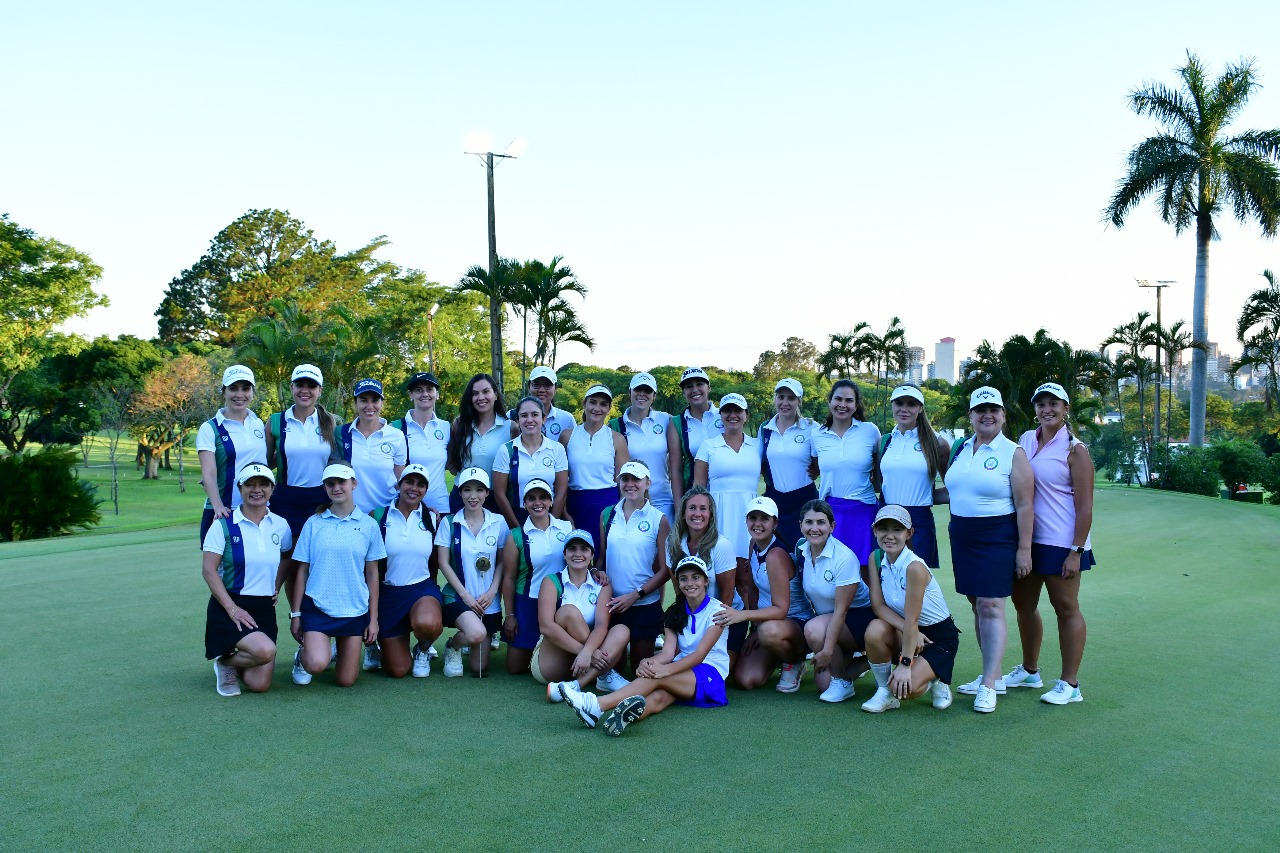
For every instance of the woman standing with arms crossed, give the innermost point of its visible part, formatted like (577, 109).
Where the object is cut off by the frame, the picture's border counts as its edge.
(845, 449)
(630, 533)
(233, 438)
(427, 437)
(784, 443)
(595, 454)
(991, 489)
(531, 456)
(477, 433)
(728, 466)
(910, 459)
(1060, 545)
(652, 439)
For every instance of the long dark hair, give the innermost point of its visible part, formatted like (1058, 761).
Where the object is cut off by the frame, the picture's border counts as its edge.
(460, 437)
(676, 617)
(858, 413)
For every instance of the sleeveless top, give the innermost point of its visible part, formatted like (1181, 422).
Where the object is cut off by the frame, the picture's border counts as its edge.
(799, 607)
(1055, 507)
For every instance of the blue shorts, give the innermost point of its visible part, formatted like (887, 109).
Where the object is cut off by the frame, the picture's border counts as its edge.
(710, 690)
(1048, 559)
(492, 621)
(857, 620)
(396, 602)
(526, 611)
(643, 620)
(221, 634)
(315, 619)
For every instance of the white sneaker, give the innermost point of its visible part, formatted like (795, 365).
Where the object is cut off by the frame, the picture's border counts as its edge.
(1019, 677)
(333, 651)
(611, 681)
(421, 661)
(432, 653)
(452, 662)
(300, 675)
(970, 688)
(940, 694)
(881, 702)
(372, 658)
(840, 690)
(224, 678)
(789, 681)
(1062, 694)
(585, 705)
(495, 641)
(985, 702)
(557, 690)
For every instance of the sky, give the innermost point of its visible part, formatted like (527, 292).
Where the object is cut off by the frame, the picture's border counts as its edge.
(721, 176)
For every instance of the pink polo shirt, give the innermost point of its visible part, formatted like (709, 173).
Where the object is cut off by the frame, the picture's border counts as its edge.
(1055, 507)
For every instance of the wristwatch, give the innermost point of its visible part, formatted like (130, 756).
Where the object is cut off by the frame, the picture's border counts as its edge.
(904, 661)
(1079, 549)
(295, 614)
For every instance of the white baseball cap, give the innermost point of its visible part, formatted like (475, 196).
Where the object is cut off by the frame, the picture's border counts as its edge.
(473, 475)
(307, 371)
(906, 391)
(579, 535)
(986, 395)
(536, 483)
(337, 471)
(734, 400)
(598, 389)
(893, 512)
(791, 385)
(763, 504)
(693, 562)
(237, 373)
(254, 470)
(643, 378)
(420, 470)
(1049, 388)
(635, 468)
(693, 373)
(543, 373)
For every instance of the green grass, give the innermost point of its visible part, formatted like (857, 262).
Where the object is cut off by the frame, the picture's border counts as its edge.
(115, 739)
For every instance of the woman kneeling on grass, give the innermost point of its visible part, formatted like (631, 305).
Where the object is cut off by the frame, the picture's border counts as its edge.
(913, 629)
(244, 569)
(573, 614)
(690, 669)
(336, 591)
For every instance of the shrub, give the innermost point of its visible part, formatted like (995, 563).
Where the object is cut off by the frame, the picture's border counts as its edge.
(1239, 462)
(1270, 479)
(40, 495)
(1189, 469)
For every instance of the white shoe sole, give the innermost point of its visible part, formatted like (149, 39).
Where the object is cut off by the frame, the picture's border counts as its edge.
(217, 680)
(970, 689)
(835, 701)
(1038, 685)
(941, 706)
(1075, 697)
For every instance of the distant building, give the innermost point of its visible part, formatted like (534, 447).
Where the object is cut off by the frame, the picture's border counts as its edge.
(944, 359)
(964, 365)
(932, 371)
(915, 365)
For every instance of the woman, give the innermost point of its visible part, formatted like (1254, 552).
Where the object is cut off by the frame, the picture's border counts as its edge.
(243, 566)
(233, 438)
(784, 447)
(728, 465)
(409, 600)
(336, 594)
(301, 441)
(991, 489)
(698, 421)
(531, 456)
(845, 449)
(690, 670)
(841, 604)
(477, 433)
(913, 640)
(1060, 544)
(634, 564)
(474, 550)
(777, 607)
(427, 437)
(696, 534)
(652, 439)
(557, 424)
(595, 455)
(578, 643)
(539, 546)
(910, 459)
(373, 449)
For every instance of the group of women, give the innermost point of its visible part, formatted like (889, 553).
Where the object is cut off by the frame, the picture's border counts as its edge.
(560, 535)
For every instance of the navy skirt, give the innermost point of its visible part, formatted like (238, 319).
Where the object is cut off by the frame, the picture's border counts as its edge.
(789, 504)
(585, 506)
(395, 603)
(221, 634)
(924, 541)
(295, 504)
(1048, 559)
(944, 642)
(315, 619)
(984, 551)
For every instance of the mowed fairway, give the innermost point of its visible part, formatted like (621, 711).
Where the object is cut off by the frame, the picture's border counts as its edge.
(115, 739)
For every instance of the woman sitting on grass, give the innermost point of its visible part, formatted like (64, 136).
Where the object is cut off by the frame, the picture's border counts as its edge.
(336, 593)
(244, 567)
(913, 634)
(690, 669)
(577, 642)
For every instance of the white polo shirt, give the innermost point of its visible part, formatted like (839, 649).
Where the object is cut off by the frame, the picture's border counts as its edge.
(545, 550)
(591, 458)
(647, 443)
(979, 483)
(248, 439)
(429, 446)
(409, 543)
(261, 545)
(582, 597)
(695, 629)
(305, 450)
(893, 588)
(836, 566)
(905, 470)
(374, 458)
(484, 446)
(632, 547)
(542, 464)
(788, 454)
(488, 542)
(844, 462)
(700, 429)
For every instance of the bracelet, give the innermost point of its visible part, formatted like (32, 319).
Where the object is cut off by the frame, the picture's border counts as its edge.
(295, 614)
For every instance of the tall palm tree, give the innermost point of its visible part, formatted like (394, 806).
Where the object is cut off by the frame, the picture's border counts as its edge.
(1173, 341)
(1194, 170)
(562, 325)
(1137, 336)
(887, 352)
(549, 283)
(498, 288)
(844, 353)
(1258, 329)
(276, 343)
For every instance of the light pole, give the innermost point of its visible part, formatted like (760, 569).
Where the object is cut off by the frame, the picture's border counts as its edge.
(1159, 288)
(478, 144)
(431, 337)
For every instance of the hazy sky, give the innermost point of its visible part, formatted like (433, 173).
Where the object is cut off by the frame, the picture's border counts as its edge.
(720, 175)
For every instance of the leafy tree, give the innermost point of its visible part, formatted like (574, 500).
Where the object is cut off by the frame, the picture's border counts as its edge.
(113, 402)
(1239, 462)
(560, 323)
(1136, 336)
(798, 358)
(1219, 416)
(1190, 470)
(273, 345)
(1194, 170)
(1258, 331)
(1269, 477)
(888, 354)
(169, 403)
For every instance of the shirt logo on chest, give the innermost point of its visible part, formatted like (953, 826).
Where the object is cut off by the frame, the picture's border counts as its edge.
(991, 464)
(257, 433)
(560, 536)
(800, 438)
(643, 527)
(828, 576)
(422, 525)
(491, 540)
(719, 424)
(657, 429)
(439, 435)
(546, 462)
(553, 428)
(385, 448)
(235, 539)
(917, 447)
(275, 538)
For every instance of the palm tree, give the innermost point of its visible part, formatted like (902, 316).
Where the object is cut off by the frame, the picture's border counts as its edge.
(562, 324)
(1136, 336)
(356, 348)
(499, 289)
(548, 284)
(844, 354)
(886, 353)
(1258, 329)
(275, 344)
(1173, 341)
(1194, 171)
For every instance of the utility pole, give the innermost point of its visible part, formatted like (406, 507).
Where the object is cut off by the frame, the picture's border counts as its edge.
(1159, 288)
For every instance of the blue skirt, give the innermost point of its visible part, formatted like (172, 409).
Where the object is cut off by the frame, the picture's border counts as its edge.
(984, 552)
(710, 690)
(585, 506)
(1048, 559)
(853, 526)
(395, 603)
(924, 541)
(295, 504)
(789, 504)
(315, 619)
